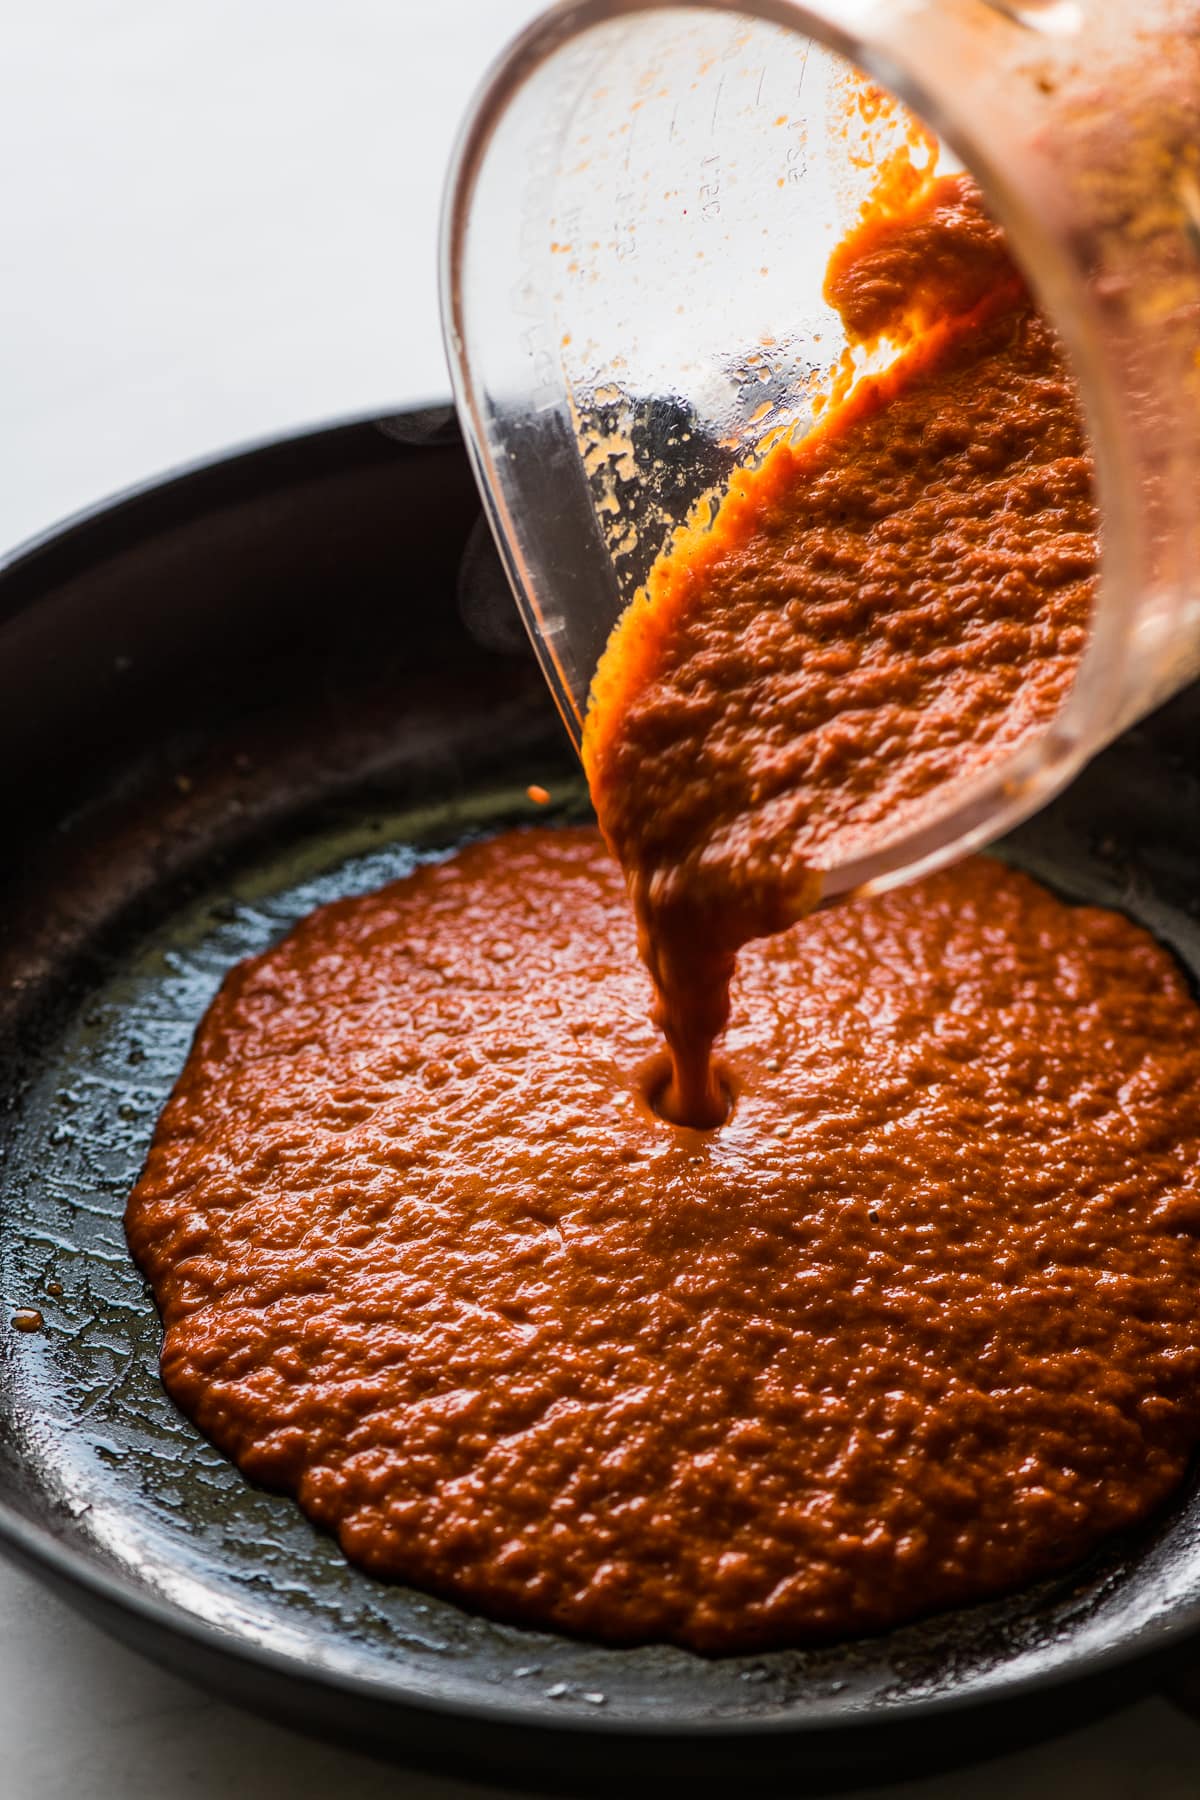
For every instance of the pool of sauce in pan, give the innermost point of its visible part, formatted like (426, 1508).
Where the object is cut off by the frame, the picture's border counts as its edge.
(889, 1309)
(915, 1325)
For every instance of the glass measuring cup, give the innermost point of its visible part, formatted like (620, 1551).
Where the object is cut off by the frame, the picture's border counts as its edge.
(635, 237)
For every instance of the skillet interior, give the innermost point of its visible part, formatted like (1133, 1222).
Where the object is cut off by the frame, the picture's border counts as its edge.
(224, 700)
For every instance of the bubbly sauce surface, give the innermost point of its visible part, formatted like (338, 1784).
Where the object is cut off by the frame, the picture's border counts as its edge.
(916, 1325)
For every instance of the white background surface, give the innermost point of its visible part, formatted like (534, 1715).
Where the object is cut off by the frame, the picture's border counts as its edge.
(219, 219)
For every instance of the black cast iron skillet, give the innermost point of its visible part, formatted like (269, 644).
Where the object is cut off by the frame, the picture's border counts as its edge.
(224, 698)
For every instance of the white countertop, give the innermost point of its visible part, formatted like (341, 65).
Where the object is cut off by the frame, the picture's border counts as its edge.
(219, 221)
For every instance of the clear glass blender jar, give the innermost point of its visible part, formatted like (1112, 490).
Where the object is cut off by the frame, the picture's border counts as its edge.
(637, 226)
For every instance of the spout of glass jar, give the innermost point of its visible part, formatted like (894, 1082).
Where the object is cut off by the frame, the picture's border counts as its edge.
(635, 236)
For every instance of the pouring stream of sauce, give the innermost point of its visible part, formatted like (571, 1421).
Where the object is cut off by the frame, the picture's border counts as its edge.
(874, 614)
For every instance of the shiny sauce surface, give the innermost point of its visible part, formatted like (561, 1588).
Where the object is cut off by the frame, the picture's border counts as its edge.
(917, 1324)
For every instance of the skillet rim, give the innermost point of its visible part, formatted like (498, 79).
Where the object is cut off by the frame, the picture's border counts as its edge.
(85, 539)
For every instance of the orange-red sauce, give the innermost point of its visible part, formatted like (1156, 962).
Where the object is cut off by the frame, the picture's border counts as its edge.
(917, 1324)
(874, 615)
